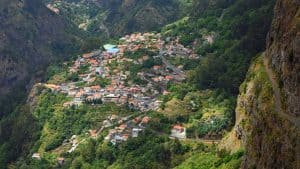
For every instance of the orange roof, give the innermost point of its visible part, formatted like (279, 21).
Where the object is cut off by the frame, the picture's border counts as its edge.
(169, 77)
(60, 159)
(93, 133)
(110, 88)
(145, 119)
(156, 67)
(93, 61)
(97, 95)
(79, 94)
(178, 127)
(122, 126)
(125, 136)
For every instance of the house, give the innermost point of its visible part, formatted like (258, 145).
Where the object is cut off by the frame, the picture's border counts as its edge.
(135, 132)
(36, 156)
(145, 120)
(122, 127)
(125, 137)
(117, 139)
(178, 132)
(93, 133)
(156, 67)
(169, 78)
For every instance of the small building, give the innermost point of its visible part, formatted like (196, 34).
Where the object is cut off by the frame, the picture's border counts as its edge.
(145, 120)
(93, 133)
(36, 156)
(135, 132)
(178, 132)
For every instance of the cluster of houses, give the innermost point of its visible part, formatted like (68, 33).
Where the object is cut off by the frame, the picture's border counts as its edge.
(174, 49)
(98, 62)
(130, 129)
(88, 90)
(136, 41)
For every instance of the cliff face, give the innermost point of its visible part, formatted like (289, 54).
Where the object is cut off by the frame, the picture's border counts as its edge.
(267, 113)
(283, 52)
(30, 38)
(270, 138)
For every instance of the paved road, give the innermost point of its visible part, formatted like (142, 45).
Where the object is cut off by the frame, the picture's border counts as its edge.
(169, 65)
(205, 141)
(277, 94)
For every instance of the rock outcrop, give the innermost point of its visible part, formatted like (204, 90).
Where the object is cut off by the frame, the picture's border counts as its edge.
(283, 52)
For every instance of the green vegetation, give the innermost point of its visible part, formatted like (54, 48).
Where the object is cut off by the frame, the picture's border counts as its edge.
(103, 82)
(205, 113)
(227, 34)
(139, 54)
(188, 64)
(60, 123)
(219, 160)
(238, 30)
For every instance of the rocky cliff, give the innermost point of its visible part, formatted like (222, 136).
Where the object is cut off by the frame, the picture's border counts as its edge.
(283, 53)
(267, 113)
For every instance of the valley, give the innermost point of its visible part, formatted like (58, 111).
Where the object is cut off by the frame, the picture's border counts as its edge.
(142, 84)
(116, 94)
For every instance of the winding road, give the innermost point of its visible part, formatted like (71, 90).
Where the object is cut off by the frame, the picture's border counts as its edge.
(278, 104)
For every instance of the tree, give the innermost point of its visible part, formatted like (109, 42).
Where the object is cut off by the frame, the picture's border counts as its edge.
(87, 151)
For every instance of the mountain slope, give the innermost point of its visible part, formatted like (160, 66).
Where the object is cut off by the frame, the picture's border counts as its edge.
(117, 17)
(227, 34)
(31, 37)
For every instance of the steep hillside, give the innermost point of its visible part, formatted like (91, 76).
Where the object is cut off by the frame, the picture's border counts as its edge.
(142, 15)
(109, 18)
(227, 34)
(283, 53)
(31, 37)
(274, 121)
(268, 123)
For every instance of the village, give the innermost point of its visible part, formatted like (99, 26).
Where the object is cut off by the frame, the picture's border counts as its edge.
(88, 89)
(118, 91)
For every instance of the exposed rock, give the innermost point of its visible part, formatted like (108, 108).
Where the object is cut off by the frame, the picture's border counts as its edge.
(283, 52)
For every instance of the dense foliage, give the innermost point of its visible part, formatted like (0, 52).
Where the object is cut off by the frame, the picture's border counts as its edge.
(237, 30)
